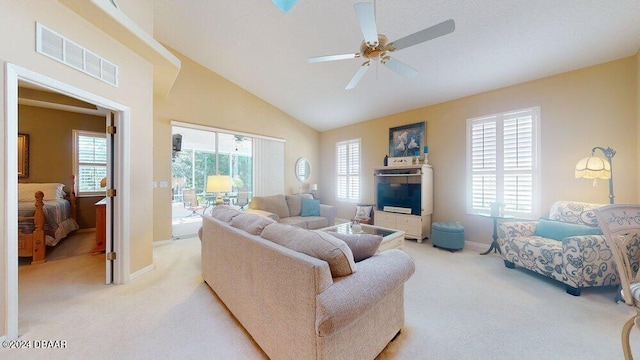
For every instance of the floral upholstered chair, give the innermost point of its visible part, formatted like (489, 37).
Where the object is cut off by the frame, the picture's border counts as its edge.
(568, 247)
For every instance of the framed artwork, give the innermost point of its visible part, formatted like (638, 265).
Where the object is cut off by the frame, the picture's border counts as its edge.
(23, 155)
(406, 140)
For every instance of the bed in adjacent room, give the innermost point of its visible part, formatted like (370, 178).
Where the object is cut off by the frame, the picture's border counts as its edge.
(46, 215)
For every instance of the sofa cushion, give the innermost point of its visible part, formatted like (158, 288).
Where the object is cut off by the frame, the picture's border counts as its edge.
(275, 204)
(224, 213)
(251, 223)
(310, 207)
(318, 244)
(559, 230)
(294, 203)
(362, 246)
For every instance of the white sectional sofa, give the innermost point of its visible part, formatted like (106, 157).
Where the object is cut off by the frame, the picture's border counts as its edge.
(289, 209)
(293, 304)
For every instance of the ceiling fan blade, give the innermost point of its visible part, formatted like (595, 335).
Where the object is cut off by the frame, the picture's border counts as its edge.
(315, 59)
(435, 31)
(356, 78)
(367, 19)
(399, 67)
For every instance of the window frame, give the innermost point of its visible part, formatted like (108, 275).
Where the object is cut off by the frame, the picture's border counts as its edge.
(349, 174)
(76, 161)
(500, 172)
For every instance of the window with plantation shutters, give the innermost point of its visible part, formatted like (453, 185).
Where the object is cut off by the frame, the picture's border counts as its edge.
(348, 170)
(502, 162)
(90, 165)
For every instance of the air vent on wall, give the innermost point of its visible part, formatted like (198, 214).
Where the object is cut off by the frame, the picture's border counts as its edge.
(57, 47)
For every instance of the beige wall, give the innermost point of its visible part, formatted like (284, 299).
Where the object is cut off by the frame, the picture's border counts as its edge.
(51, 150)
(17, 36)
(202, 97)
(595, 106)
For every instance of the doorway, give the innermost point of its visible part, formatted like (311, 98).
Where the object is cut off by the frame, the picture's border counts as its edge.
(203, 153)
(117, 270)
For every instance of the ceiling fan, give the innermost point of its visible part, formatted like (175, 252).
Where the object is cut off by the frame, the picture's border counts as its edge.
(376, 47)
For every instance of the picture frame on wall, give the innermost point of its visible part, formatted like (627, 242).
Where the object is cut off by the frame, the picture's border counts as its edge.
(23, 155)
(407, 140)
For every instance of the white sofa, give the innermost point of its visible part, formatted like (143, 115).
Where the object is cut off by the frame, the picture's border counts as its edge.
(289, 302)
(288, 209)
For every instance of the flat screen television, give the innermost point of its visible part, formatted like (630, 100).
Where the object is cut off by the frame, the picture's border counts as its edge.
(400, 195)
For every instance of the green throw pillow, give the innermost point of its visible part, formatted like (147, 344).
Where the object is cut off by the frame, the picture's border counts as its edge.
(310, 207)
(558, 230)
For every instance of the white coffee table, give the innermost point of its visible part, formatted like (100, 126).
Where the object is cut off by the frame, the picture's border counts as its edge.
(391, 238)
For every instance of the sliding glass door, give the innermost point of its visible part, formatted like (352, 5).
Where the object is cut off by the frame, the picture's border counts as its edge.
(204, 153)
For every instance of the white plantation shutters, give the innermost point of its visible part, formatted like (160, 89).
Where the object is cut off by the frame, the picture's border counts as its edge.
(348, 170)
(502, 162)
(90, 161)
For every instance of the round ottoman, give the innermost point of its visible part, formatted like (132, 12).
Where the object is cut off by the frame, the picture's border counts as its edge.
(447, 235)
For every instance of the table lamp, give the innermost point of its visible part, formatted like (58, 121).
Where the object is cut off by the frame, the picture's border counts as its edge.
(218, 184)
(313, 189)
(595, 167)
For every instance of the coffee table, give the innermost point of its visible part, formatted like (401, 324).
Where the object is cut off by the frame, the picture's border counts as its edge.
(391, 238)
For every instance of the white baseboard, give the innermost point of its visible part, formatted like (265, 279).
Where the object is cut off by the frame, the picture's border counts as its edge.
(476, 245)
(162, 242)
(141, 272)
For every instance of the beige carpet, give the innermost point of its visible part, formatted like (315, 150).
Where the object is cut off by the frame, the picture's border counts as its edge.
(458, 306)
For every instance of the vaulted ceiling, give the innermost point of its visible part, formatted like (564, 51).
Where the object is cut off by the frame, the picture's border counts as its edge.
(495, 44)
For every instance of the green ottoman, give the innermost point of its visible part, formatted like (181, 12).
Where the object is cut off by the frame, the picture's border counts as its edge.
(447, 235)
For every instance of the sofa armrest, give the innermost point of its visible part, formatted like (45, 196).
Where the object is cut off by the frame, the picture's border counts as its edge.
(510, 229)
(263, 213)
(588, 261)
(329, 212)
(350, 296)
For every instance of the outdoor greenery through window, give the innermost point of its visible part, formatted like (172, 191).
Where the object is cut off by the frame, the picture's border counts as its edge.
(502, 162)
(90, 149)
(206, 153)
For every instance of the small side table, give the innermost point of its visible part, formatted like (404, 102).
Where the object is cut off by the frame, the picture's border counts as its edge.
(494, 244)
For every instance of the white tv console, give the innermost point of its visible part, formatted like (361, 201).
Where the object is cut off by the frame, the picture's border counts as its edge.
(415, 226)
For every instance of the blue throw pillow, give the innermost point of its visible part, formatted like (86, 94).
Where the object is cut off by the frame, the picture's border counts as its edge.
(558, 230)
(310, 207)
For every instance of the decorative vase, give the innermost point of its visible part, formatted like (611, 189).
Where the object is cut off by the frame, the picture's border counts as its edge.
(386, 160)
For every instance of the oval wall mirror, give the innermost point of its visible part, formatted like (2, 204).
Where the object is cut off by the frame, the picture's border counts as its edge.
(303, 169)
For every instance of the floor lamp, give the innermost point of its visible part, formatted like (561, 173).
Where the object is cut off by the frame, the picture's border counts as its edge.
(595, 167)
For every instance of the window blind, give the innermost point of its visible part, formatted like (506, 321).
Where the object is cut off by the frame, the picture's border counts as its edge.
(91, 161)
(268, 167)
(502, 162)
(348, 170)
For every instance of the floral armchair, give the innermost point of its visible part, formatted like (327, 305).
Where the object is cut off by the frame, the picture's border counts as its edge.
(577, 257)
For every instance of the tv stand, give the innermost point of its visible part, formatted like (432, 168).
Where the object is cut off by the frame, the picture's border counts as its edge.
(416, 224)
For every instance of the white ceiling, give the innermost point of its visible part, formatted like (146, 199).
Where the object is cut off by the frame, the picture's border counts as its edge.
(496, 43)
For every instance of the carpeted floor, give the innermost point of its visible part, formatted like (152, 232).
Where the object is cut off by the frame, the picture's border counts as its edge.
(457, 306)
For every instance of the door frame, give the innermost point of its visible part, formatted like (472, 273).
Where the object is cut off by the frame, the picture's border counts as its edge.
(121, 208)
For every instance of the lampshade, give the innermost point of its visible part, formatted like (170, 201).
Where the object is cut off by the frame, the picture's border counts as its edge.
(313, 187)
(593, 167)
(218, 183)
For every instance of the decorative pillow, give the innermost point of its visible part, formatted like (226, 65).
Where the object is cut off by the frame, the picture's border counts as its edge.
(363, 246)
(319, 244)
(558, 230)
(52, 191)
(225, 213)
(363, 212)
(294, 202)
(251, 223)
(274, 204)
(310, 207)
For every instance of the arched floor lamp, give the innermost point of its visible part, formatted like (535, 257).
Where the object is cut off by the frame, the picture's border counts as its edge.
(595, 167)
